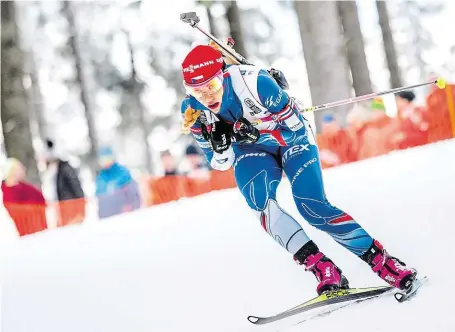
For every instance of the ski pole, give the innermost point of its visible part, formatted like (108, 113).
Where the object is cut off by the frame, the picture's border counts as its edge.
(192, 19)
(440, 83)
(226, 49)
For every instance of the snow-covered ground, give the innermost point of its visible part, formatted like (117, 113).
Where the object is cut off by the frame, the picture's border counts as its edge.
(205, 264)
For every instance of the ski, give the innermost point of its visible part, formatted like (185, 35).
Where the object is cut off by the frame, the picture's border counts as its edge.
(352, 295)
(328, 298)
(399, 296)
(416, 284)
(333, 309)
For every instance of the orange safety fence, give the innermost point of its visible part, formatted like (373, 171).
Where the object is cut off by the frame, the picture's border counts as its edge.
(376, 137)
(32, 218)
(28, 218)
(170, 188)
(440, 104)
(70, 212)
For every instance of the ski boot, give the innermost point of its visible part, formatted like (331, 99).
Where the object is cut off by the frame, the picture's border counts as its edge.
(389, 268)
(326, 272)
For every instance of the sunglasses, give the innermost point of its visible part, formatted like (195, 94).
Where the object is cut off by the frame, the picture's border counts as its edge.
(207, 88)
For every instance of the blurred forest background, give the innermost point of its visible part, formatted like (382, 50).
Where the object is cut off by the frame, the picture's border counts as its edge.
(90, 73)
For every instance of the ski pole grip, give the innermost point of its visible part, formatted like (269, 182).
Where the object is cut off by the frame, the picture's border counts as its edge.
(190, 18)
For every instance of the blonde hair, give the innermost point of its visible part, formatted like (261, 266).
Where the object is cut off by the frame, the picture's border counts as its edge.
(9, 168)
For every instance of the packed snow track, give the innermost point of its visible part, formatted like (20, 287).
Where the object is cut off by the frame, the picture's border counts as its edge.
(205, 264)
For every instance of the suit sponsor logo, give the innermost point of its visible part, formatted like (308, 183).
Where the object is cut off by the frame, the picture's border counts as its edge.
(295, 150)
(246, 155)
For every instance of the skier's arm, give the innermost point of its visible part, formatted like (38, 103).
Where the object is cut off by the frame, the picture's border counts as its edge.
(191, 124)
(277, 101)
(270, 93)
(220, 156)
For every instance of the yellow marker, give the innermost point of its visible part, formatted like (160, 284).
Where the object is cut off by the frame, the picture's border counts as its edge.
(451, 106)
(441, 83)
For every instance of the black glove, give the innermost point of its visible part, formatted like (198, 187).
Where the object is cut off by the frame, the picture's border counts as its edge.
(219, 135)
(245, 132)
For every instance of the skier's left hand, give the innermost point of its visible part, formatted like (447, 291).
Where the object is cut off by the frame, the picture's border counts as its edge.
(245, 132)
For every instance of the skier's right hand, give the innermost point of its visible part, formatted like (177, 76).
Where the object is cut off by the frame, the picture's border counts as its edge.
(223, 161)
(189, 119)
(219, 135)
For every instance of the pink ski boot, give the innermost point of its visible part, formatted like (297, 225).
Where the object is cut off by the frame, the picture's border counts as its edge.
(389, 268)
(326, 272)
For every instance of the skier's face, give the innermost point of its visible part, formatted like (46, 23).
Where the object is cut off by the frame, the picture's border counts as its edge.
(210, 93)
(212, 100)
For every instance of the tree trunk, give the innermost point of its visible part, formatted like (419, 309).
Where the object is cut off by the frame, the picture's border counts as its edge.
(212, 21)
(212, 24)
(417, 37)
(14, 104)
(142, 116)
(355, 47)
(82, 82)
(389, 45)
(36, 98)
(235, 27)
(325, 56)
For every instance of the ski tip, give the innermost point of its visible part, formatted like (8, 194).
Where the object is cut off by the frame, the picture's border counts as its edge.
(399, 297)
(253, 319)
(403, 296)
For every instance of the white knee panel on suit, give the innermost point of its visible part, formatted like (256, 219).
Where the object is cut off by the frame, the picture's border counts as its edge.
(282, 227)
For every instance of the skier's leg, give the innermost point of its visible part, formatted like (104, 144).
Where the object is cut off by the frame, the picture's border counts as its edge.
(258, 173)
(302, 167)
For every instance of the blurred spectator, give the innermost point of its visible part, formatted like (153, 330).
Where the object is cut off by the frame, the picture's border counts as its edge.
(25, 203)
(356, 118)
(198, 175)
(413, 121)
(169, 163)
(197, 166)
(116, 190)
(66, 187)
(374, 136)
(171, 186)
(8, 229)
(359, 114)
(335, 145)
